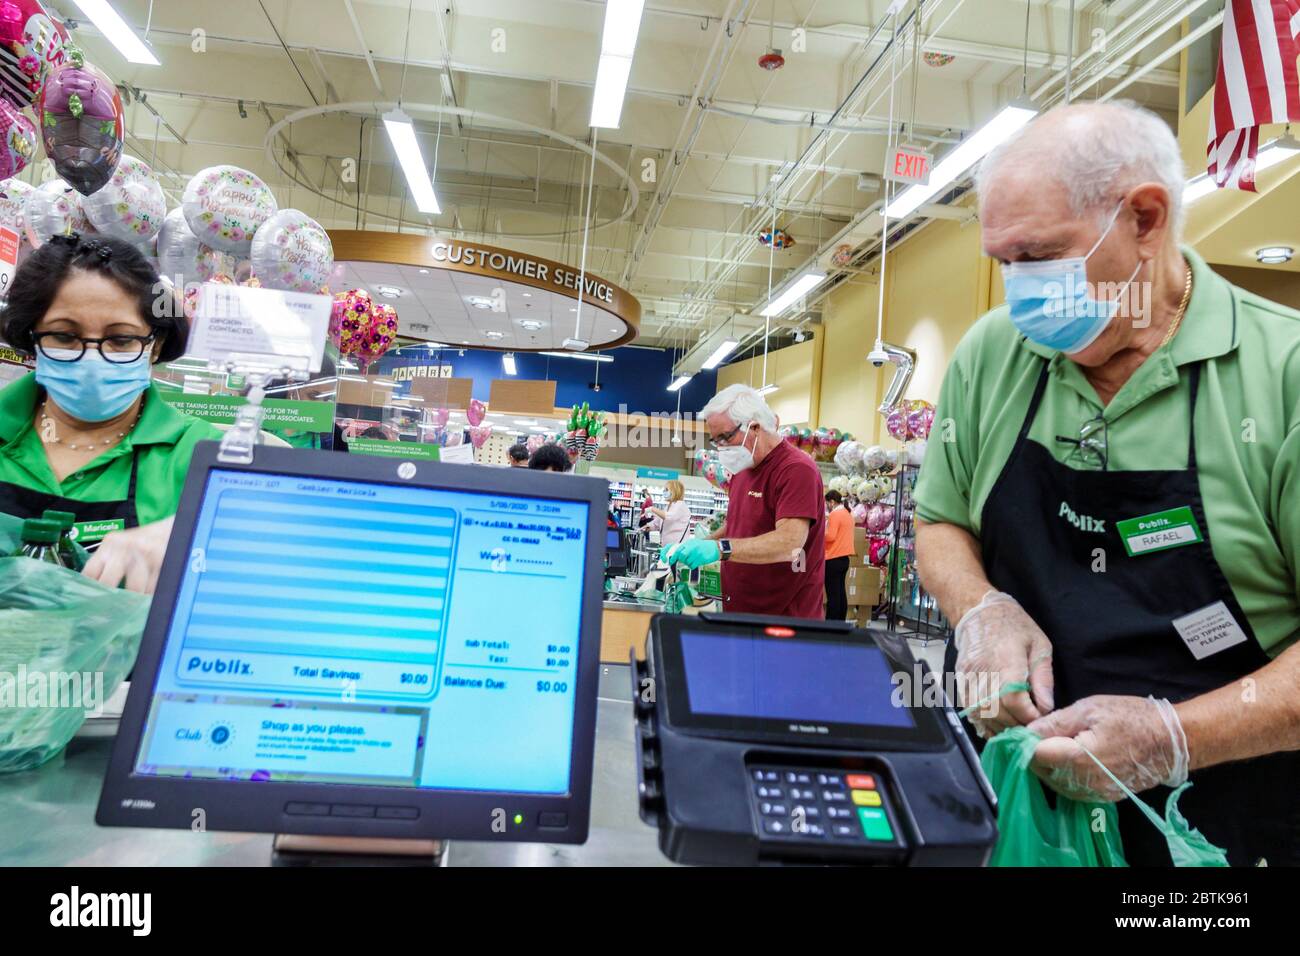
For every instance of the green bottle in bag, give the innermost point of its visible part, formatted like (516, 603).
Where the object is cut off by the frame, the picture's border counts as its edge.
(65, 520)
(41, 541)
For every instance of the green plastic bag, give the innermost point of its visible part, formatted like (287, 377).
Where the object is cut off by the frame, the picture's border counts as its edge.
(66, 643)
(1030, 832)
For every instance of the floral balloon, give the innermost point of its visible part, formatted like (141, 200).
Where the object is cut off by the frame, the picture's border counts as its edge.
(896, 422)
(82, 123)
(19, 140)
(292, 251)
(878, 552)
(873, 459)
(860, 515)
(382, 333)
(54, 209)
(479, 434)
(131, 206)
(350, 320)
(183, 258)
(226, 205)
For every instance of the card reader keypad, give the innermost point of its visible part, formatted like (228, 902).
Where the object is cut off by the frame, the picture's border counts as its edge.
(795, 803)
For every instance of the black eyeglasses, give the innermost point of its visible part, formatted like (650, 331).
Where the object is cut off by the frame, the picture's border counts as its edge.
(725, 438)
(1090, 446)
(66, 347)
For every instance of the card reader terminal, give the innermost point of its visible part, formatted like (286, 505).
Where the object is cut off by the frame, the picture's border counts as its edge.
(779, 740)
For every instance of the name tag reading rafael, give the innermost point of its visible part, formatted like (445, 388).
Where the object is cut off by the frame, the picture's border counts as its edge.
(1159, 532)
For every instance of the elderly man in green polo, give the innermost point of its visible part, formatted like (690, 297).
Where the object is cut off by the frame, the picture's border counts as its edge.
(1110, 504)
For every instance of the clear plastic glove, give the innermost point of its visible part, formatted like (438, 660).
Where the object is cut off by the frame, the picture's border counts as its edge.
(694, 553)
(134, 556)
(999, 644)
(1139, 739)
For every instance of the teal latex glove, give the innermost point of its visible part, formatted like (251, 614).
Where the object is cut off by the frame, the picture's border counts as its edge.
(694, 554)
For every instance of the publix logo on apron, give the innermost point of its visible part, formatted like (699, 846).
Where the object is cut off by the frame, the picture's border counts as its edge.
(1082, 522)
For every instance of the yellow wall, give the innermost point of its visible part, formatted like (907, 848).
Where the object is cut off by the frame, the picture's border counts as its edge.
(795, 370)
(937, 284)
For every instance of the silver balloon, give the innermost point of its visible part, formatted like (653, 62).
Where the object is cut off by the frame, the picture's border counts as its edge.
(904, 360)
(131, 206)
(54, 209)
(185, 260)
(292, 252)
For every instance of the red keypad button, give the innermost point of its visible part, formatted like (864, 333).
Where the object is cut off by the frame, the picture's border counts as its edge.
(860, 781)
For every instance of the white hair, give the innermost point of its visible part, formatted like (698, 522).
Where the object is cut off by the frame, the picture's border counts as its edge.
(1129, 145)
(743, 405)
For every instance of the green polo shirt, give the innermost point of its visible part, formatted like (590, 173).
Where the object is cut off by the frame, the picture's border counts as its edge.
(1247, 432)
(164, 440)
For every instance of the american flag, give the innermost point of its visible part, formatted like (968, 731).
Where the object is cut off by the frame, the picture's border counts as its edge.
(1256, 84)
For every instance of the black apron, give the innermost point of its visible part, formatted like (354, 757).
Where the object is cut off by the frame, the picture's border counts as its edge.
(26, 503)
(1111, 631)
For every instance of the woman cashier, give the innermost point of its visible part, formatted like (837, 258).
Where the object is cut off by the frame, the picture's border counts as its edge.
(87, 432)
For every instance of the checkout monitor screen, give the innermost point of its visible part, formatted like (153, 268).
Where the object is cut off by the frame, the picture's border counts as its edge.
(346, 632)
(790, 680)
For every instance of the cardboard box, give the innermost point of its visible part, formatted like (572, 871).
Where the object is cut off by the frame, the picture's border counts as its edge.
(859, 540)
(862, 615)
(862, 586)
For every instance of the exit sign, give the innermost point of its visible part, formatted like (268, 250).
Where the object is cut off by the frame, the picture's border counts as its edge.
(907, 164)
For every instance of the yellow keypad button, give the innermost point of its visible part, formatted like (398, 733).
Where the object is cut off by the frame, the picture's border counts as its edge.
(866, 798)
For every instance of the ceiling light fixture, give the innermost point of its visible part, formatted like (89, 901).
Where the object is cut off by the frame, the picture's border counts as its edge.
(532, 325)
(494, 334)
(401, 131)
(389, 291)
(110, 23)
(617, 47)
(679, 381)
(796, 291)
(768, 389)
(969, 152)
(484, 302)
(1274, 255)
(1280, 149)
(508, 364)
(720, 353)
(585, 356)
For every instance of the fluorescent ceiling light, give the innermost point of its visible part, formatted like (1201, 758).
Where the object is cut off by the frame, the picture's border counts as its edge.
(768, 389)
(971, 150)
(801, 287)
(401, 131)
(526, 422)
(1283, 148)
(617, 47)
(679, 381)
(110, 23)
(1272, 255)
(721, 352)
(585, 356)
(508, 363)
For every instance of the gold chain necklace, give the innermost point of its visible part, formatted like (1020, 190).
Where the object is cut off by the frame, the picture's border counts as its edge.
(1182, 308)
(50, 426)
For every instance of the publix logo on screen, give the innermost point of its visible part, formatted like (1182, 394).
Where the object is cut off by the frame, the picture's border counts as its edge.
(1082, 522)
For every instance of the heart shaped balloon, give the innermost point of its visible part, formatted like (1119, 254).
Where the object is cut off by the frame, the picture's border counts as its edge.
(350, 320)
(439, 417)
(479, 434)
(475, 412)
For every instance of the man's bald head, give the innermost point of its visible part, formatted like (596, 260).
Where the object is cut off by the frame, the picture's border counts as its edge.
(1087, 156)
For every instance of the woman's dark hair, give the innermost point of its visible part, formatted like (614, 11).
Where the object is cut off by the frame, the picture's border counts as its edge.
(549, 457)
(518, 452)
(834, 497)
(39, 279)
(374, 431)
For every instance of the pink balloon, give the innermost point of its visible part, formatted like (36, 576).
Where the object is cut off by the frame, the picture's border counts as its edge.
(475, 412)
(440, 416)
(878, 552)
(479, 435)
(896, 422)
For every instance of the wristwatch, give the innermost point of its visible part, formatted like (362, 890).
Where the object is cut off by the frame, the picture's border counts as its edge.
(724, 546)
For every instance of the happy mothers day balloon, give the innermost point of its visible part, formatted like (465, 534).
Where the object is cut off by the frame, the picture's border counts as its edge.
(54, 209)
(183, 258)
(225, 206)
(291, 251)
(131, 206)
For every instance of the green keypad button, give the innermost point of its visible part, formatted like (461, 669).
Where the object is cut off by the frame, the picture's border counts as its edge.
(875, 825)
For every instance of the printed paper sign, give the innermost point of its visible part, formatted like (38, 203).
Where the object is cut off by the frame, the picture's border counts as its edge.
(235, 322)
(8, 258)
(460, 454)
(395, 449)
(1210, 630)
(1159, 532)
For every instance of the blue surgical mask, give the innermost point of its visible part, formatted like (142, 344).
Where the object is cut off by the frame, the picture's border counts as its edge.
(1050, 303)
(93, 389)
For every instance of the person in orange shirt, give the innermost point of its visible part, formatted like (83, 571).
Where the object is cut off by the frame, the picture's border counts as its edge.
(839, 548)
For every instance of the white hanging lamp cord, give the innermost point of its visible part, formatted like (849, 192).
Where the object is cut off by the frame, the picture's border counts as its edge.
(884, 227)
(586, 232)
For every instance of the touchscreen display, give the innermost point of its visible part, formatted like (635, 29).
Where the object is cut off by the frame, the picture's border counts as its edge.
(347, 632)
(799, 680)
(612, 539)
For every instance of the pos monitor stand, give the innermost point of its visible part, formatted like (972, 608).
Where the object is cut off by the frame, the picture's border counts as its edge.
(325, 657)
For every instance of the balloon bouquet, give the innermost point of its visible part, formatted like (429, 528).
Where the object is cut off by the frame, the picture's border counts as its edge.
(708, 467)
(582, 439)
